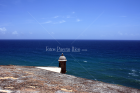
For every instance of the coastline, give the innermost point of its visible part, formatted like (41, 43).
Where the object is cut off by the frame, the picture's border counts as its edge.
(31, 79)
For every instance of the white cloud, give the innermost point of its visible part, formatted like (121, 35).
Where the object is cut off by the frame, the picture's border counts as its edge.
(3, 30)
(56, 17)
(62, 21)
(126, 34)
(47, 22)
(15, 33)
(73, 12)
(68, 16)
(52, 32)
(132, 34)
(78, 20)
(120, 33)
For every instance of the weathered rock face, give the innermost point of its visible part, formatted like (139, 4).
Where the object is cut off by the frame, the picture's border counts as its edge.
(24, 79)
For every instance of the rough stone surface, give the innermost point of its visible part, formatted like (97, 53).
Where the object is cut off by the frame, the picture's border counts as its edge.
(29, 79)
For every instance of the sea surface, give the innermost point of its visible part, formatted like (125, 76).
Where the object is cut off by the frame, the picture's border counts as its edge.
(111, 61)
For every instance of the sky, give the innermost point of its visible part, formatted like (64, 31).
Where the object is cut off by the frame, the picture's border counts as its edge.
(70, 19)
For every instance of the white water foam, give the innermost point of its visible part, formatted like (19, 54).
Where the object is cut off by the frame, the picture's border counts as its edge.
(133, 73)
(85, 61)
(137, 80)
(134, 70)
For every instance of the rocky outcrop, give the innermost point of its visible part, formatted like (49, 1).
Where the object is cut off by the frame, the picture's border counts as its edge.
(29, 79)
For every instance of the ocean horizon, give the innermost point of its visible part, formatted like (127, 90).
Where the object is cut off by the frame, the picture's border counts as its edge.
(110, 61)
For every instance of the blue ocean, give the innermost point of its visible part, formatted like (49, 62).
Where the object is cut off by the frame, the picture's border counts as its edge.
(111, 61)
